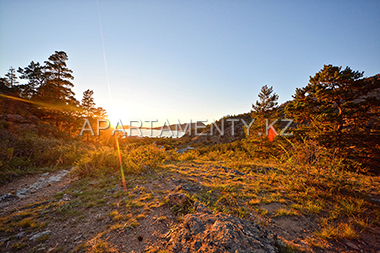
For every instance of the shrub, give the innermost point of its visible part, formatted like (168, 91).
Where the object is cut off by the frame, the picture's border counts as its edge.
(28, 152)
(135, 159)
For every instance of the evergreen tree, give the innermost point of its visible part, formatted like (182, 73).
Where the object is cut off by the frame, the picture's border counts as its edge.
(11, 77)
(58, 80)
(100, 113)
(335, 109)
(34, 73)
(267, 103)
(88, 104)
(56, 90)
(90, 112)
(265, 110)
(4, 86)
(49, 87)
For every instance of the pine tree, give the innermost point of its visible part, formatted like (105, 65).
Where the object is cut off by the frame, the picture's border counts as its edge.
(267, 103)
(56, 90)
(265, 110)
(89, 111)
(88, 104)
(34, 73)
(334, 109)
(58, 80)
(11, 77)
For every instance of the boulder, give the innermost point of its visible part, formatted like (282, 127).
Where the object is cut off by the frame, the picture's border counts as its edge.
(204, 231)
(8, 197)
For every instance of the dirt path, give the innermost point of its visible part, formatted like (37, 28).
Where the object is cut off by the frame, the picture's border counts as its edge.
(53, 212)
(31, 189)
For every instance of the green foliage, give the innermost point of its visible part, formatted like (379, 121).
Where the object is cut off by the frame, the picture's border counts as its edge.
(265, 111)
(57, 85)
(307, 153)
(18, 245)
(88, 103)
(30, 152)
(48, 96)
(11, 77)
(336, 110)
(144, 157)
(267, 103)
(34, 74)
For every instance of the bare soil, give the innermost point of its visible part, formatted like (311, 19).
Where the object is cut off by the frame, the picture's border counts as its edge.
(93, 227)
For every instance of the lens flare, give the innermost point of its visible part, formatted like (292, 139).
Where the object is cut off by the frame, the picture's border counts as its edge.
(121, 164)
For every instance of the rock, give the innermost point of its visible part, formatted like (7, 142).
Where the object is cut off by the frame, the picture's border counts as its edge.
(177, 198)
(58, 177)
(28, 127)
(27, 123)
(78, 237)
(201, 208)
(20, 235)
(192, 223)
(65, 197)
(41, 183)
(207, 232)
(38, 235)
(8, 197)
(181, 151)
(116, 188)
(351, 245)
(191, 188)
(22, 193)
(16, 118)
(236, 172)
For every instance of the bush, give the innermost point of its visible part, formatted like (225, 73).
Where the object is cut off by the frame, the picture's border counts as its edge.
(29, 152)
(135, 160)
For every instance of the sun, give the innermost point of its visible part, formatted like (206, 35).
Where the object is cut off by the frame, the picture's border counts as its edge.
(115, 116)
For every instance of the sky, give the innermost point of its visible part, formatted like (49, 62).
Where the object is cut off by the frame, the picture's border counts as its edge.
(190, 60)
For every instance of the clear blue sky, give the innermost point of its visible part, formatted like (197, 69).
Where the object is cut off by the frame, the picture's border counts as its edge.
(190, 59)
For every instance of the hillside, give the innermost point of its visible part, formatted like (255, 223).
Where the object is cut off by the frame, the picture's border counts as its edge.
(64, 189)
(225, 130)
(181, 205)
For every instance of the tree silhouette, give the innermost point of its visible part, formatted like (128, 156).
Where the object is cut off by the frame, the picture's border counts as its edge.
(58, 80)
(87, 103)
(34, 73)
(11, 77)
(56, 91)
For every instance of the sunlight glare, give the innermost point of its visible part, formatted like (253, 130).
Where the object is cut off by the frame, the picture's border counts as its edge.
(114, 116)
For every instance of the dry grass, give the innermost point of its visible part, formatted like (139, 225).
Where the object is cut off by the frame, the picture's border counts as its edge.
(233, 185)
